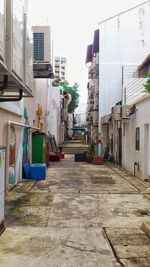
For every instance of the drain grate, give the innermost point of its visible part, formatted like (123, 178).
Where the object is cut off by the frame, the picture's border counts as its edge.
(102, 180)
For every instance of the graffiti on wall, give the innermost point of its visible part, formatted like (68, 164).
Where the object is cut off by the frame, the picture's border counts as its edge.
(12, 152)
(25, 144)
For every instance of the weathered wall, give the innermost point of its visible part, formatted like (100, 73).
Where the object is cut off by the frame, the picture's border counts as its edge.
(40, 92)
(130, 155)
(15, 143)
(124, 40)
(54, 117)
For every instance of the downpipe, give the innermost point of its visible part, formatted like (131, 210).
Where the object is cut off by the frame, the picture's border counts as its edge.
(138, 165)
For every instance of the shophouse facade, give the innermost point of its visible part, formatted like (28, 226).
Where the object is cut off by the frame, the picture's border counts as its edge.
(92, 111)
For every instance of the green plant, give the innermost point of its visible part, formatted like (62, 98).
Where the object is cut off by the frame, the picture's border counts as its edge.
(56, 82)
(147, 85)
(97, 137)
(91, 149)
(73, 91)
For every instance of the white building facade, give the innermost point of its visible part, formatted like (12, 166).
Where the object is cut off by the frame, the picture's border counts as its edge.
(124, 44)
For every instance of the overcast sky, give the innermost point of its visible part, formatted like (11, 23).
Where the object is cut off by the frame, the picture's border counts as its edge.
(73, 23)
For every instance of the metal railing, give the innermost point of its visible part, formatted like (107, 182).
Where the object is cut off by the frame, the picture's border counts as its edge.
(134, 90)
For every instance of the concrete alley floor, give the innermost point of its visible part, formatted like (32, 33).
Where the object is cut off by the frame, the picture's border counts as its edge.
(81, 215)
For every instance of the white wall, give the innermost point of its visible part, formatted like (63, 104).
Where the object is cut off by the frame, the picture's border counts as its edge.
(54, 116)
(40, 92)
(70, 123)
(129, 155)
(80, 113)
(124, 40)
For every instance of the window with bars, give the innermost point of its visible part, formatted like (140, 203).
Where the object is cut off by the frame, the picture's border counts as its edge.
(137, 138)
(38, 45)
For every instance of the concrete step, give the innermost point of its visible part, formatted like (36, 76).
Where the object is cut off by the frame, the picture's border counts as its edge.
(74, 148)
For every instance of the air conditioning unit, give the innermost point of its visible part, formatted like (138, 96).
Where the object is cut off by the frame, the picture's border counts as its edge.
(116, 113)
(14, 37)
(105, 120)
(41, 44)
(125, 111)
(28, 54)
(2, 30)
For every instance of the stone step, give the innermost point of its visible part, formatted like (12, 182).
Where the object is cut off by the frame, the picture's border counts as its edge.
(73, 150)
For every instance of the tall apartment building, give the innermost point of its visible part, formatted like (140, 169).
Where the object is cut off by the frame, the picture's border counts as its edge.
(60, 67)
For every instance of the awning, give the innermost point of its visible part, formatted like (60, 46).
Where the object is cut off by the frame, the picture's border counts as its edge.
(146, 62)
(76, 129)
(95, 48)
(89, 54)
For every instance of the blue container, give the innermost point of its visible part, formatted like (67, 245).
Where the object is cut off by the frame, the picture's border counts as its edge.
(38, 171)
(26, 170)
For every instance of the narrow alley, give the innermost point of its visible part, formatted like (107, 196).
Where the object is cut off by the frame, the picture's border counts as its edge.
(74, 133)
(81, 215)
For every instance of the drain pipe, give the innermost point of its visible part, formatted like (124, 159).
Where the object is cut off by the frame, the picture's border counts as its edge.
(138, 165)
(17, 124)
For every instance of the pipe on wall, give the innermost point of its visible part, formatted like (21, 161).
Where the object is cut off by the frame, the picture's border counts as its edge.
(138, 165)
(17, 124)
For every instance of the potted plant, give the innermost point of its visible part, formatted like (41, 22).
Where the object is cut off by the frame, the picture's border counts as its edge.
(98, 138)
(90, 153)
(97, 160)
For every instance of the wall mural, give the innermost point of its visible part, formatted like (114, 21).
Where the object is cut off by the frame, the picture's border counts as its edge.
(25, 144)
(12, 152)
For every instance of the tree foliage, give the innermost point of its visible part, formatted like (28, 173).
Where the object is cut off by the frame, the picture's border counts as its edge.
(147, 85)
(73, 91)
(56, 82)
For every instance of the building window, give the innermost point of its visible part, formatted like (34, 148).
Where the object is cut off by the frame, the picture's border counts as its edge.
(137, 138)
(38, 46)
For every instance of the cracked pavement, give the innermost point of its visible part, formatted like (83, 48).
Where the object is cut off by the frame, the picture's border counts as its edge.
(81, 215)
